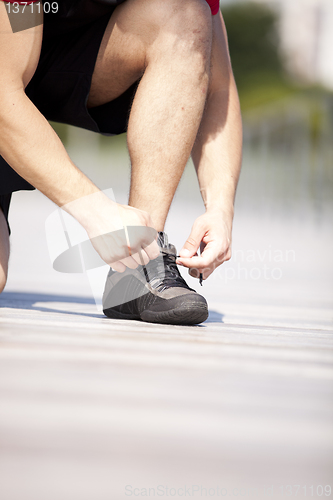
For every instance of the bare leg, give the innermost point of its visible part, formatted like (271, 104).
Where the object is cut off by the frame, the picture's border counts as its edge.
(169, 45)
(4, 251)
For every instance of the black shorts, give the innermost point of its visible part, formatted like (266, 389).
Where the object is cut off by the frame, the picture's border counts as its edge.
(61, 83)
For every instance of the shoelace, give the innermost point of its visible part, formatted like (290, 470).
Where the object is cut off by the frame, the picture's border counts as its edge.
(167, 276)
(200, 275)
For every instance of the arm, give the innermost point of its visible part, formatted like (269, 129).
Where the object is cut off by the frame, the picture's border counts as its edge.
(217, 156)
(29, 144)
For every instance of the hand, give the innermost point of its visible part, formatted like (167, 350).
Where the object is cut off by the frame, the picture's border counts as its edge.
(212, 233)
(123, 236)
(141, 237)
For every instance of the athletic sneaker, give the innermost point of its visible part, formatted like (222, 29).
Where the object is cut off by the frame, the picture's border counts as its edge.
(155, 293)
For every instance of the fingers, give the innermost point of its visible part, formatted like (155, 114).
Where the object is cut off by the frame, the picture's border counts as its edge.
(212, 235)
(192, 243)
(152, 250)
(130, 246)
(138, 237)
(118, 266)
(141, 258)
(132, 262)
(142, 241)
(206, 272)
(206, 263)
(198, 262)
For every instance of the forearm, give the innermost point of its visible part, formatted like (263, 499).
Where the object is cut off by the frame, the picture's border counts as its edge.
(217, 156)
(30, 145)
(217, 152)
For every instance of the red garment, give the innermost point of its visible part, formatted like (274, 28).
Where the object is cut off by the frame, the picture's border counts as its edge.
(214, 5)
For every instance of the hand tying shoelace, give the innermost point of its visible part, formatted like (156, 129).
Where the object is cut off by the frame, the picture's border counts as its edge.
(200, 275)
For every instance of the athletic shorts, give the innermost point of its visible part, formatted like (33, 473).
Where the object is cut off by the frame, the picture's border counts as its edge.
(61, 83)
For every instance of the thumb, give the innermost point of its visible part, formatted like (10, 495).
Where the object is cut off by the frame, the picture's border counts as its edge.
(192, 243)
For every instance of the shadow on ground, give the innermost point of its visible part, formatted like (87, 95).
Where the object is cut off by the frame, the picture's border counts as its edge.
(214, 317)
(28, 301)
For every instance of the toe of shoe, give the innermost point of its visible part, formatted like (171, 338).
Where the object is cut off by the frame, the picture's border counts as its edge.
(189, 309)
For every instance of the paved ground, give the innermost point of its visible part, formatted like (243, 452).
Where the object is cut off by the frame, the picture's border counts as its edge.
(239, 406)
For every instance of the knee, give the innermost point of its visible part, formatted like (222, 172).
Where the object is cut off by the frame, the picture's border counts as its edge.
(187, 14)
(187, 21)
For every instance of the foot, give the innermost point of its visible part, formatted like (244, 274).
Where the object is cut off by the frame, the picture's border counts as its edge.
(155, 293)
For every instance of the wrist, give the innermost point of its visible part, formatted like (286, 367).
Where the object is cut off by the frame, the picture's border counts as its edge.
(221, 199)
(97, 213)
(225, 210)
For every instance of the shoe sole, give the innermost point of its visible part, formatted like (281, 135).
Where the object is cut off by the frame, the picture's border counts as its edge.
(186, 314)
(111, 313)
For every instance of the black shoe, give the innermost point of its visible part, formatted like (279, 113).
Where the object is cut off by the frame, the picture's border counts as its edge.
(155, 293)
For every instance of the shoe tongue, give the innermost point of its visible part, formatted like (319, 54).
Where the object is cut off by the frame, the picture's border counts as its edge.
(163, 243)
(162, 239)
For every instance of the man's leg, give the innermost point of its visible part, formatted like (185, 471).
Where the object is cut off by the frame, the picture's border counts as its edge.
(168, 45)
(4, 250)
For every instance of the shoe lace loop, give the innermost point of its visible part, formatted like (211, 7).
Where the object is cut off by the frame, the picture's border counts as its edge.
(165, 276)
